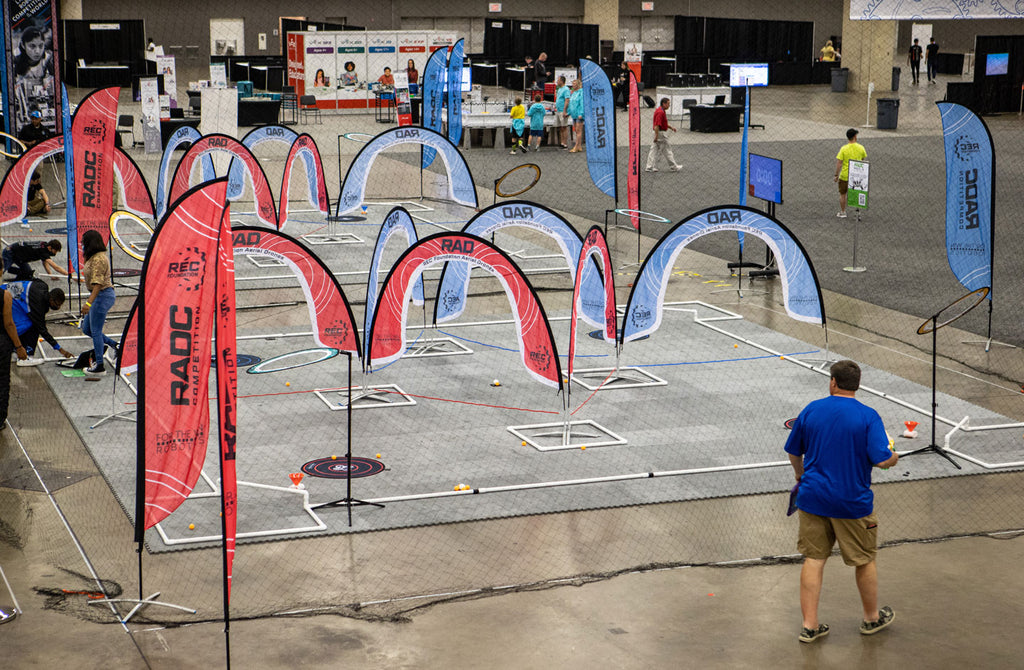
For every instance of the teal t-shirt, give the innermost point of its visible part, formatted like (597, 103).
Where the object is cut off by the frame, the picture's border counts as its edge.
(561, 98)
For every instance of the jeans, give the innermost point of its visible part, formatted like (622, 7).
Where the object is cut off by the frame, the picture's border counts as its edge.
(92, 323)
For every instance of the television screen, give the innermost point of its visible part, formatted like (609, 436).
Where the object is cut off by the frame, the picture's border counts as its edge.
(997, 64)
(748, 74)
(467, 79)
(764, 178)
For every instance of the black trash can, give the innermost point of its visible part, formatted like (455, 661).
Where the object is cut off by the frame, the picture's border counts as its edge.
(888, 113)
(840, 77)
(896, 78)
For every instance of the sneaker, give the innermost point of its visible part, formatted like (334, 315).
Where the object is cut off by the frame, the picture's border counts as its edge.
(885, 617)
(512, 153)
(524, 148)
(809, 635)
(841, 215)
(650, 169)
(676, 168)
(95, 370)
(30, 362)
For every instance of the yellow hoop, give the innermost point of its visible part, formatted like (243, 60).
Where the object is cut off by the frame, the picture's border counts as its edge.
(933, 323)
(121, 214)
(16, 141)
(497, 184)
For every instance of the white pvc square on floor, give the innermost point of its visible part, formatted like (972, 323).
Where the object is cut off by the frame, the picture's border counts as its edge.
(562, 435)
(369, 397)
(318, 239)
(609, 379)
(438, 346)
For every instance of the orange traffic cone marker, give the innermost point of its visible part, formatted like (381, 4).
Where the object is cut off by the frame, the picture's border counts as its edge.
(910, 432)
(296, 478)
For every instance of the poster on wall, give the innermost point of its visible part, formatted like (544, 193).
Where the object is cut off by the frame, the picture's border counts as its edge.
(32, 67)
(352, 75)
(320, 74)
(165, 66)
(149, 90)
(381, 52)
(442, 41)
(412, 56)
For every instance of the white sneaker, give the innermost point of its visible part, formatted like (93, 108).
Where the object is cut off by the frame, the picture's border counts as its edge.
(841, 215)
(30, 362)
(650, 169)
(676, 168)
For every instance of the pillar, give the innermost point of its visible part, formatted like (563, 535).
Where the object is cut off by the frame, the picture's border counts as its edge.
(605, 13)
(869, 50)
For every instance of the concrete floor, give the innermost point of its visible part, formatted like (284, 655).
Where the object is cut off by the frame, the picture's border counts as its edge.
(956, 600)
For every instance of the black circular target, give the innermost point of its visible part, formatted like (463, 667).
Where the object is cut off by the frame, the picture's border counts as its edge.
(56, 231)
(346, 218)
(126, 272)
(338, 468)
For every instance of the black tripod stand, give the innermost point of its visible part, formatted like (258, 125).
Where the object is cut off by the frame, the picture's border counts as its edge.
(932, 325)
(348, 501)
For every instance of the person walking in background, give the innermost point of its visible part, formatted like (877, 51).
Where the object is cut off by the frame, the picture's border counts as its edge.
(834, 443)
(536, 114)
(849, 151)
(660, 147)
(518, 116)
(96, 274)
(562, 112)
(9, 343)
(828, 52)
(930, 54)
(576, 113)
(914, 58)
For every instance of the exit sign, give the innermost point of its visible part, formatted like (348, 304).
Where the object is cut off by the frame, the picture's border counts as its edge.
(647, 6)
(494, 7)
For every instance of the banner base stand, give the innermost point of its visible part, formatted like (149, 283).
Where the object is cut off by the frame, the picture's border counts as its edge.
(855, 268)
(539, 435)
(365, 397)
(317, 239)
(440, 346)
(139, 604)
(609, 379)
(989, 343)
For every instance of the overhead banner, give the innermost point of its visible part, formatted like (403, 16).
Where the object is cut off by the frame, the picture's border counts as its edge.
(253, 139)
(266, 208)
(14, 191)
(633, 164)
(134, 191)
(32, 71)
(92, 132)
(69, 179)
(599, 127)
(536, 342)
(453, 285)
(304, 147)
(433, 99)
(329, 310)
(178, 308)
(461, 188)
(970, 195)
(800, 290)
(227, 394)
(179, 136)
(454, 92)
(397, 221)
(932, 10)
(595, 247)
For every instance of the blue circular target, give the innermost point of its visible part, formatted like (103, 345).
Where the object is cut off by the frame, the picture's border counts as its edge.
(56, 231)
(338, 468)
(241, 360)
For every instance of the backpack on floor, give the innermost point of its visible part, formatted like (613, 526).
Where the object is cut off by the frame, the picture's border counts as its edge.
(649, 101)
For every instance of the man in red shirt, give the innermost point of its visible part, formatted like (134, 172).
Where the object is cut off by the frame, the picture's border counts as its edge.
(660, 144)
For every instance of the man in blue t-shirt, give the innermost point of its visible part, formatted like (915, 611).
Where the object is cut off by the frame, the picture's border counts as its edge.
(834, 443)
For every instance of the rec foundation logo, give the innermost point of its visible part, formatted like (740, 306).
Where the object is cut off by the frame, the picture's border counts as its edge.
(965, 147)
(641, 316)
(96, 131)
(541, 359)
(187, 268)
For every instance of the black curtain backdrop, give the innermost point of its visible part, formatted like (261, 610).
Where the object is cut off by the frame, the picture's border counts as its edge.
(999, 92)
(125, 46)
(745, 39)
(565, 43)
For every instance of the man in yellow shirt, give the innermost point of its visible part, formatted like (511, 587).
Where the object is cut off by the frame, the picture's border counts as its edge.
(850, 151)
